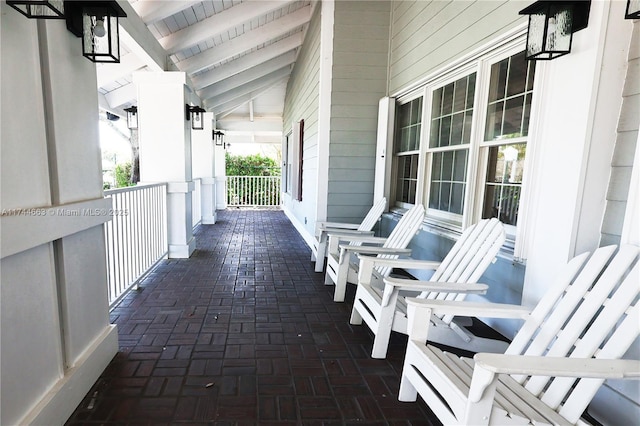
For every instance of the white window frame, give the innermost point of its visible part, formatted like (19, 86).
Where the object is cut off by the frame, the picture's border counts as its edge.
(394, 174)
(479, 62)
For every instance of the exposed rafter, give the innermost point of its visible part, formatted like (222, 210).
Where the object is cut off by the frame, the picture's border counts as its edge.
(156, 10)
(246, 41)
(248, 61)
(247, 76)
(121, 95)
(228, 106)
(217, 24)
(255, 85)
(109, 72)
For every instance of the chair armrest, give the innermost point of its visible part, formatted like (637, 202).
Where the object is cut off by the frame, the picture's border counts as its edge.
(373, 250)
(470, 309)
(336, 225)
(346, 233)
(597, 368)
(401, 263)
(446, 287)
(357, 238)
(488, 365)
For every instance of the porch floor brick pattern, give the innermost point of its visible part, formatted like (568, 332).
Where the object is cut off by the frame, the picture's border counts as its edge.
(245, 333)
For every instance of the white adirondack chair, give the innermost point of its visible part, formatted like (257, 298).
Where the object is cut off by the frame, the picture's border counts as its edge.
(383, 307)
(319, 249)
(568, 345)
(342, 265)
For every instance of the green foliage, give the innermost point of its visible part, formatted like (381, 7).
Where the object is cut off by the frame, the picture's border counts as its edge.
(123, 175)
(251, 165)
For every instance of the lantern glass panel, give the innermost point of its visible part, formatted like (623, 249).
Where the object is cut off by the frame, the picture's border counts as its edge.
(51, 9)
(550, 32)
(97, 47)
(132, 120)
(196, 121)
(633, 9)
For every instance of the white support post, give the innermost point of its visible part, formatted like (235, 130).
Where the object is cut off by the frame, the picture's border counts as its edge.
(165, 150)
(203, 147)
(220, 177)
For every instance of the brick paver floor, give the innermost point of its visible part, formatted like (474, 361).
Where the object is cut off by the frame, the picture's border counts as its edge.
(245, 333)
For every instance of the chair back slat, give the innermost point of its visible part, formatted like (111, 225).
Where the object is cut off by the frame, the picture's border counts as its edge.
(402, 234)
(583, 391)
(470, 256)
(374, 214)
(531, 339)
(591, 312)
(597, 340)
(589, 316)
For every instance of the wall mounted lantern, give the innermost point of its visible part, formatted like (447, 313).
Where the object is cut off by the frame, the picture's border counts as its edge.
(633, 9)
(551, 27)
(132, 117)
(43, 9)
(96, 22)
(194, 113)
(218, 137)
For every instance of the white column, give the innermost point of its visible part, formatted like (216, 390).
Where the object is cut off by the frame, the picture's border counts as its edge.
(202, 147)
(165, 150)
(221, 177)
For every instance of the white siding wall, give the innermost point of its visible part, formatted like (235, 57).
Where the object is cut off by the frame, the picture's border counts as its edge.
(360, 53)
(56, 338)
(301, 103)
(429, 34)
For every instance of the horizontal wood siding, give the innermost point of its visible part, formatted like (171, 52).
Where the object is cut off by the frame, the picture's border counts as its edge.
(624, 152)
(360, 58)
(301, 103)
(426, 35)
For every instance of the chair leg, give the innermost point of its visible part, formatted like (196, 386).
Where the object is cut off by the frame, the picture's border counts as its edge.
(320, 255)
(341, 281)
(383, 331)
(407, 392)
(356, 318)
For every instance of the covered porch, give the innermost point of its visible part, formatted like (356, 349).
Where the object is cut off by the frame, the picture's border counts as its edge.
(245, 332)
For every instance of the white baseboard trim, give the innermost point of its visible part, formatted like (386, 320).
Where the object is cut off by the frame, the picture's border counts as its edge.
(306, 236)
(57, 405)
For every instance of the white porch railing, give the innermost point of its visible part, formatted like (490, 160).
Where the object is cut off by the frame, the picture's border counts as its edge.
(136, 237)
(253, 191)
(196, 207)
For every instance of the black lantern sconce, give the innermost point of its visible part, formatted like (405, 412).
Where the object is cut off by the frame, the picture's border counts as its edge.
(194, 113)
(43, 9)
(218, 137)
(551, 27)
(96, 22)
(132, 117)
(633, 9)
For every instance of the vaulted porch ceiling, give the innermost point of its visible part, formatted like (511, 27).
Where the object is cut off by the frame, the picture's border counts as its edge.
(237, 54)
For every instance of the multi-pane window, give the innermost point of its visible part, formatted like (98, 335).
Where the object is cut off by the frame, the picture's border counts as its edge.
(407, 145)
(507, 126)
(449, 138)
(477, 125)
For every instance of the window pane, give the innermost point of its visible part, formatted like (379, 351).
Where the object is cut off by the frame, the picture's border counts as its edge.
(407, 178)
(494, 121)
(509, 89)
(459, 95)
(408, 126)
(436, 167)
(457, 197)
(457, 126)
(448, 123)
(517, 75)
(460, 166)
(513, 117)
(435, 133)
(504, 180)
(471, 90)
(434, 196)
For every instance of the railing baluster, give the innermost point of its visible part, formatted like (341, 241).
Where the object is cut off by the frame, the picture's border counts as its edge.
(253, 191)
(135, 237)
